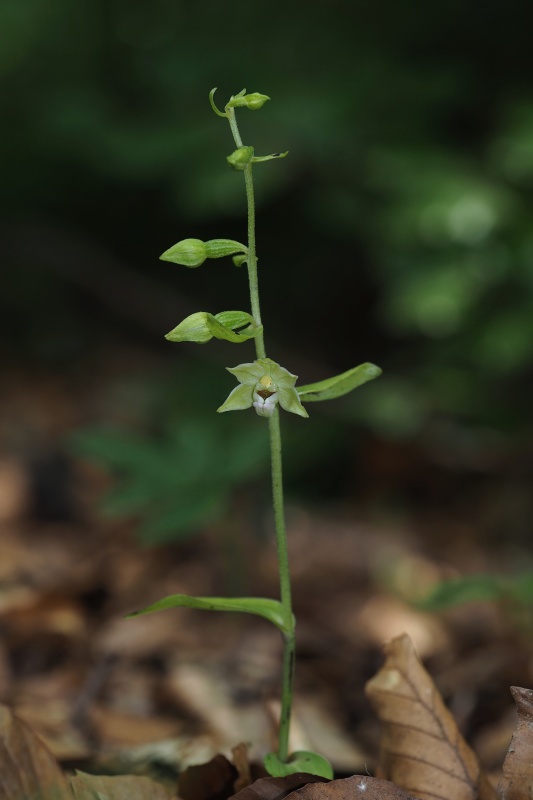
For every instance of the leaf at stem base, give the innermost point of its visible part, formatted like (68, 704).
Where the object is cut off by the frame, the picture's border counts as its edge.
(300, 761)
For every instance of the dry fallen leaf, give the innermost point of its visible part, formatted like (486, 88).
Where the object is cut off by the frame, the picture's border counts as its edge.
(241, 760)
(517, 780)
(211, 781)
(27, 768)
(277, 788)
(350, 789)
(421, 747)
(117, 787)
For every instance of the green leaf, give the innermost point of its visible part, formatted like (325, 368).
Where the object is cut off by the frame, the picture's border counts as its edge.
(213, 106)
(463, 590)
(218, 248)
(262, 606)
(203, 326)
(300, 761)
(257, 159)
(234, 319)
(334, 387)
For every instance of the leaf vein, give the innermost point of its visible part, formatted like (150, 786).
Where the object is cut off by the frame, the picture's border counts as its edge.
(453, 744)
(409, 757)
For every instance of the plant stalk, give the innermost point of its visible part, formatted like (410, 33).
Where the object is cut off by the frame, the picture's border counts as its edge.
(277, 474)
(285, 586)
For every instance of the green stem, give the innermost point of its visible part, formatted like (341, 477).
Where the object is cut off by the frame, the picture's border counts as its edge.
(285, 585)
(252, 257)
(277, 475)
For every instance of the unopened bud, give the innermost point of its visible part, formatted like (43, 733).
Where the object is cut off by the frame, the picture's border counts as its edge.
(193, 329)
(252, 101)
(240, 158)
(188, 253)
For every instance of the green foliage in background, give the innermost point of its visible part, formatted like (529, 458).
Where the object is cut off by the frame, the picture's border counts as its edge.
(471, 588)
(513, 593)
(178, 482)
(190, 468)
(412, 137)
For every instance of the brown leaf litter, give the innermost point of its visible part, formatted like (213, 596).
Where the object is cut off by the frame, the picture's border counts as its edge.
(422, 756)
(421, 748)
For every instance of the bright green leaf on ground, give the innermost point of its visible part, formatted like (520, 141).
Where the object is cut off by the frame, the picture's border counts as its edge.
(341, 384)
(300, 761)
(261, 606)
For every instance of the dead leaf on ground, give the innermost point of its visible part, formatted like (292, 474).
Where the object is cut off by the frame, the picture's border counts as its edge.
(117, 787)
(277, 788)
(350, 789)
(421, 747)
(517, 781)
(27, 768)
(211, 781)
(241, 759)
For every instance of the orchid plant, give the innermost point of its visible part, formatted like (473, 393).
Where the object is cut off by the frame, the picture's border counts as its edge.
(265, 386)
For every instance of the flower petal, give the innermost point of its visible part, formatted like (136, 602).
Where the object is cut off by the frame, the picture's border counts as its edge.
(238, 399)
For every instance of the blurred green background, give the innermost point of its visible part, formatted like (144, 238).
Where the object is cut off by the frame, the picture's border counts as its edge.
(399, 229)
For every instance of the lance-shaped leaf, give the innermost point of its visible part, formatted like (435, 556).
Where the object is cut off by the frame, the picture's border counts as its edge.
(261, 606)
(203, 326)
(339, 384)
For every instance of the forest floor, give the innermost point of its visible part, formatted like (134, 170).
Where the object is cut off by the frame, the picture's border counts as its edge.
(153, 694)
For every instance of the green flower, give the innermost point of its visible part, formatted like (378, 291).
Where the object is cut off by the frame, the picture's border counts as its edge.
(263, 384)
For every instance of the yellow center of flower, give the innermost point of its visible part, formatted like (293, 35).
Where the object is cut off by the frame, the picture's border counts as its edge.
(266, 381)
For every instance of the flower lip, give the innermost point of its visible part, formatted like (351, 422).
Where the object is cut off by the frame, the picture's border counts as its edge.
(264, 393)
(265, 406)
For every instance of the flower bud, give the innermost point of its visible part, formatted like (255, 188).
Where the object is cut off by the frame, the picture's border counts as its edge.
(188, 253)
(252, 101)
(194, 328)
(240, 158)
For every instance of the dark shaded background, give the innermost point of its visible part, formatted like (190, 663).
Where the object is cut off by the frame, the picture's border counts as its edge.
(397, 231)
